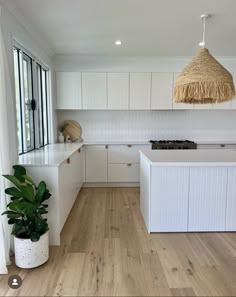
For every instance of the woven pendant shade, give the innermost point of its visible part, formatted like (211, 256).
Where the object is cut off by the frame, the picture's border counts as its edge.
(204, 80)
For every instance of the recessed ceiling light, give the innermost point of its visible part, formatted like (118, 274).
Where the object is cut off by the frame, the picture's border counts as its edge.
(118, 43)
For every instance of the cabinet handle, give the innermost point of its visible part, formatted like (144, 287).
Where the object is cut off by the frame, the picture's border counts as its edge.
(68, 161)
(79, 150)
(129, 145)
(106, 146)
(129, 164)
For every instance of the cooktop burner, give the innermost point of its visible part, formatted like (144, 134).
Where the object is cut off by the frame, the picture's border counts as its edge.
(173, 144)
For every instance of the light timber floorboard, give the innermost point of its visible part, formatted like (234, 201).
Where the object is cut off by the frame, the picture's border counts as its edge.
(106, 251)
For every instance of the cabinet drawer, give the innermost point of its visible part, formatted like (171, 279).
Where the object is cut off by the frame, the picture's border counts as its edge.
(125, 153)
(123, 172)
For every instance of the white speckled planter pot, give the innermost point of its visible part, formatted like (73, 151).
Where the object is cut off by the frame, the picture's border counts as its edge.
(30, 254)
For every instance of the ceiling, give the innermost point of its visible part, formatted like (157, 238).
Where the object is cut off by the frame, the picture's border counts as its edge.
(146, 27)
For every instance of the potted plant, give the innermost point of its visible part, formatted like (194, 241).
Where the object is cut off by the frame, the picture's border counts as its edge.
(26, 212)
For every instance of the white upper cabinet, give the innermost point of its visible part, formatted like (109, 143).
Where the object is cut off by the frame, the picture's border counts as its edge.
(181, 105)
(140, 91)
(123, 91)
(162, 90)
(68, 90)
(94, 90)
(118, 91)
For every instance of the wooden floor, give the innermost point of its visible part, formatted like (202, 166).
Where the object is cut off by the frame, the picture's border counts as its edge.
(106, 251)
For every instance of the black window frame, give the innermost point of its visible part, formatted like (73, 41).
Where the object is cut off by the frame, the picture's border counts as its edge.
(35, 97)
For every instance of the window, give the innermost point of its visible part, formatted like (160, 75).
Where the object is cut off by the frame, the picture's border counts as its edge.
(31, 85)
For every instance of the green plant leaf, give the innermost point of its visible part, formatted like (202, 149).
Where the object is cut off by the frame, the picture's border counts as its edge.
(14, 198)
(18, 229)
(19, 172)
(13, 221)
(13, 180)
(46, 195)
(12, 214)
(25, 208)
(42, 210)
(41, 190)
(35, 236)
(28, 192)
(29, 179)
(14, 192)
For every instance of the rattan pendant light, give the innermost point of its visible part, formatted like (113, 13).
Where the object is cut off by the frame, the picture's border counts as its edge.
(204, 80)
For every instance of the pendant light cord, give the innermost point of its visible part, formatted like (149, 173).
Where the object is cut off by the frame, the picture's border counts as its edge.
(204, 32)
(204, 17)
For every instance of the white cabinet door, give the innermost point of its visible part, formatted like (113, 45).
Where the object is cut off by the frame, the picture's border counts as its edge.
(162, 90)
(207, 199)
(68, 90)
(140, 91)
(169, 199)
(94, 90)
(66, 191)
(123, 173)
(77, 176)
(118, 90)
(96, 163)
(231, 201)
(125, 153)
(181, 105)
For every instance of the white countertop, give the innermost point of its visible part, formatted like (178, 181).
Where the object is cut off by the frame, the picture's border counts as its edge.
(50, 155)
(55, 154)
(198, 157)
(111, 142)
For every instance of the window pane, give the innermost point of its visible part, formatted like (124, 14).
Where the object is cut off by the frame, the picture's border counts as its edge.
(31, 87)
(45, 105)
(27, 99)
(18, 103)
(40, 108)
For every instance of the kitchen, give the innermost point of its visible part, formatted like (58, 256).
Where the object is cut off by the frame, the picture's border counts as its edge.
(118, 90)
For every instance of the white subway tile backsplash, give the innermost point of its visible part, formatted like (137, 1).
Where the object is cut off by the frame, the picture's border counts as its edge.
(144, 125)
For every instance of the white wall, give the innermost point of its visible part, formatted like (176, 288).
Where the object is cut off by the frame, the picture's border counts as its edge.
(15, 30)
(144, 125)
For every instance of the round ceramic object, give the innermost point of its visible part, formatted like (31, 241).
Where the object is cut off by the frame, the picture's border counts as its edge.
(29, 254)
(73, 129)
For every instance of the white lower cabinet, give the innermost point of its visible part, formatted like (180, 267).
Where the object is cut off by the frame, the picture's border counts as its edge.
(64, 182)
(188, 199)
(169, 199)
(123, 173)
(70, 181)
(231, 201)
(123, 162)
(128, 153)
(113, 163)
(96, 163)
(207, 199)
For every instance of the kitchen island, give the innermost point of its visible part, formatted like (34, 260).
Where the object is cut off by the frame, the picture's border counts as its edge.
(188, 190)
